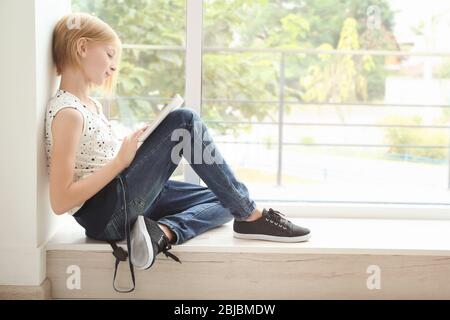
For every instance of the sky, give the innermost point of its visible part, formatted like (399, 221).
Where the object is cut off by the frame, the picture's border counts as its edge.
(410, 14)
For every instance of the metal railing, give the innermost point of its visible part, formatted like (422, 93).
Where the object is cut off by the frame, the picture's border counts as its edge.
(282, 102)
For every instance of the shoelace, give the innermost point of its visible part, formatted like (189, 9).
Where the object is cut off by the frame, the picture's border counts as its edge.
(118, 252)
(165, 249)
(276, 216)
(122, 255)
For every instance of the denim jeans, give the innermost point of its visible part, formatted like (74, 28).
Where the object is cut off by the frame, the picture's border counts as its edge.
(187, 209)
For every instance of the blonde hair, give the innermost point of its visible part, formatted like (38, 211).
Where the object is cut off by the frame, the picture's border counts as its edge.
(74, 26)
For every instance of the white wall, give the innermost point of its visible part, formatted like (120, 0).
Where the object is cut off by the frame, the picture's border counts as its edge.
(27, 80)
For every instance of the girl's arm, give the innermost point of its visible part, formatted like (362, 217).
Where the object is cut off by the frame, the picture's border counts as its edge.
(67, 127)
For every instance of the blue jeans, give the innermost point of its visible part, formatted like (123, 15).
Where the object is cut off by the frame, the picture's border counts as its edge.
(187, 209)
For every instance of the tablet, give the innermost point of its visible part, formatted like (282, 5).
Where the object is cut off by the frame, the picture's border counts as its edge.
(176, 102)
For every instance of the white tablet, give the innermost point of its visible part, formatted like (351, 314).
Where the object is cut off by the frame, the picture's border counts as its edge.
(176, 102)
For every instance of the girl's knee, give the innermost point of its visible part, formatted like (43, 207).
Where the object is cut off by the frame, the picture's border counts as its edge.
(185, 114)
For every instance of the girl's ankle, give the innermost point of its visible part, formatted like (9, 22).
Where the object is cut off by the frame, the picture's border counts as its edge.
(255, 215)
(169, 233)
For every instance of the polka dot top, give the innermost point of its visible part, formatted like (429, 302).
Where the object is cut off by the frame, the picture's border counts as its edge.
(98, 144)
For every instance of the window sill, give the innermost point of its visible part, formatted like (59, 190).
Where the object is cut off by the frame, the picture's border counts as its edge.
(329, 236)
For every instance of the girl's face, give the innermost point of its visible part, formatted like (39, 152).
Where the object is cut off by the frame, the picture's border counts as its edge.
(98, 61)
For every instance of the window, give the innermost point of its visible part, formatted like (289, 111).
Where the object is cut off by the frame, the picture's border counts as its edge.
(344, 101)
(331, 101)
(153, 58)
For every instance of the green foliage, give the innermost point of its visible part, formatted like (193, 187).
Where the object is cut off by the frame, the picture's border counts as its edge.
(307, 140)
(339, 78)
(415, 136)
(144, 74)
(341, 24)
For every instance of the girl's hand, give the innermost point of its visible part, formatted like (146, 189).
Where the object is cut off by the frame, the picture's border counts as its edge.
(128, 149)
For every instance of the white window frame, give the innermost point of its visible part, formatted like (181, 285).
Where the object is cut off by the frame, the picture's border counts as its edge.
(193, 73)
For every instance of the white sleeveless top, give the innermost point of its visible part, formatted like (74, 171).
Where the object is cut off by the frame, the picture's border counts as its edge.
(98, 144)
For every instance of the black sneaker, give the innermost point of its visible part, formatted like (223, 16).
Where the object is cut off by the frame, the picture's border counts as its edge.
(147, 241)
(271, 226)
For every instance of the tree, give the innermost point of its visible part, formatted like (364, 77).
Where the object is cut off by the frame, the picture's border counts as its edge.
(253, 76)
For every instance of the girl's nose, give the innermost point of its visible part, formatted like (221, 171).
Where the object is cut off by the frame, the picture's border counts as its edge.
(113, 68)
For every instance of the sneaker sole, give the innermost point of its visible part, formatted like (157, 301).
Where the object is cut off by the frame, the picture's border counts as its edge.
(140, 229)
(271, 238)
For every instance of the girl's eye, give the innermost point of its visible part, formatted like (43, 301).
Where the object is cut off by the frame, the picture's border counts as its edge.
(110, 55)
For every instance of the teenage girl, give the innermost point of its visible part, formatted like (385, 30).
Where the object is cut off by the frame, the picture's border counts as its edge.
(105, 183)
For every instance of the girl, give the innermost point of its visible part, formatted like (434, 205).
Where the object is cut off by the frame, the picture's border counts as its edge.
(118, 191)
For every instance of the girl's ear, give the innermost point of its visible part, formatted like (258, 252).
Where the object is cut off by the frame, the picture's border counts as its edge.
(81, 47)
